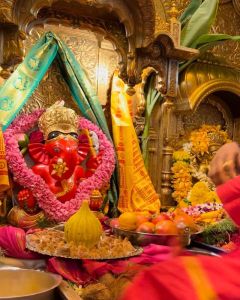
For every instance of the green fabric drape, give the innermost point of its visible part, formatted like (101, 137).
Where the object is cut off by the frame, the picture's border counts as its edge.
(20, 86)
(152, 96)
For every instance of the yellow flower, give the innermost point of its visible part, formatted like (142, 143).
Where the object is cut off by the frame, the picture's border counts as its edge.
(201, 138)
(182, 180)
(213, 197)
(199, 193)
(181, 155)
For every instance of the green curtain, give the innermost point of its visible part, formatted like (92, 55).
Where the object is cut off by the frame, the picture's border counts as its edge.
(20, 86)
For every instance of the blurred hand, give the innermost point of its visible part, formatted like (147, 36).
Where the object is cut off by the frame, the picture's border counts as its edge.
(225, 164)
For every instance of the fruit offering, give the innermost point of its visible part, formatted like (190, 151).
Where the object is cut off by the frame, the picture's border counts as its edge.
(162, 223)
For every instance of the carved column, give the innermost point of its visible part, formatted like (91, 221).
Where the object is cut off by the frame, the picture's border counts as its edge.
(166, 134)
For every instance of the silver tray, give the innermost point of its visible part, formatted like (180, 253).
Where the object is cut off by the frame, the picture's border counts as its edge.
(137, 251)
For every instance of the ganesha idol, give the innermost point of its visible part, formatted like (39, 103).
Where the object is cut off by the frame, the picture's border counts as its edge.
(71, 160)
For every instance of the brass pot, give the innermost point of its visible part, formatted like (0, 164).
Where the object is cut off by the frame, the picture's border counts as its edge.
(22, 284)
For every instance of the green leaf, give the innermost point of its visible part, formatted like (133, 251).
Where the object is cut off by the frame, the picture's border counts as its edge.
(189, 11)
(152, 96)
(200, 22)
(209, 39)
(206, 41)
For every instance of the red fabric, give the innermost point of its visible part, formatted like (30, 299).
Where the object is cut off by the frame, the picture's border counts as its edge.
(72, 270)
(224, 275)
(167, 280)
(91, 270)
(229, 193)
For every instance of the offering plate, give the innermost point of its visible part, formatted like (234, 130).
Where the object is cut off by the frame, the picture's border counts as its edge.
(105, 250)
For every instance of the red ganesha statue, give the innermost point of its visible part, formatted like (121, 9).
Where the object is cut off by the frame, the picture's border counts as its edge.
(64, 156)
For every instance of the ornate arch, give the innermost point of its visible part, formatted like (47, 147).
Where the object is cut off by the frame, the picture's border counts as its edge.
(201, 80)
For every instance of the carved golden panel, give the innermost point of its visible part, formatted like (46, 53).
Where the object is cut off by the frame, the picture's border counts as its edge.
(180, 5)
(227, 52)
(97, 57)
(6, 11)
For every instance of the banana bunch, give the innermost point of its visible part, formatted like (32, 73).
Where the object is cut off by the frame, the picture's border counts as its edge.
(83, 227)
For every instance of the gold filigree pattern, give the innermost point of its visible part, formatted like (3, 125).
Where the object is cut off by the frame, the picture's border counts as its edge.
(227, 52)
(180, 5)
(6, 11)
(58, 118)
(160, 17)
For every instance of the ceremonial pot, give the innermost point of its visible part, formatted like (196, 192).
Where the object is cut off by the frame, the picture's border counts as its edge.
(23, 284)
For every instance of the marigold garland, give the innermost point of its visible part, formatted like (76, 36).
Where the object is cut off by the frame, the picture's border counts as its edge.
(54, 209)
(182, 180)
(200, 138)
(183, 167)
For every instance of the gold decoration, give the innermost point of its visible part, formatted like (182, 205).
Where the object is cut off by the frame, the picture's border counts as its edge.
(6, 11)
(58, 118)
(60, 167)
(228, 52)
(202, 79)
(99, 60)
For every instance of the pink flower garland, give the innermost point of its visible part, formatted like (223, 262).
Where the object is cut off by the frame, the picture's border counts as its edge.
(28, 179)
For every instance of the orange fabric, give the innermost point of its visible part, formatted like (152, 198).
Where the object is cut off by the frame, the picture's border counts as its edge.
(4, 180)
(136, 189)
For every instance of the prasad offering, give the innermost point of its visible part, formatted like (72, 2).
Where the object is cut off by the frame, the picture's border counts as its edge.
(52, 242)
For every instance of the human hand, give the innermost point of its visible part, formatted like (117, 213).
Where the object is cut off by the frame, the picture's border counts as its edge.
(225, 164)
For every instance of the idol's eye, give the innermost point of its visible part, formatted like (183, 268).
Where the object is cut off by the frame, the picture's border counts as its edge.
(73, 134)
(53, 135)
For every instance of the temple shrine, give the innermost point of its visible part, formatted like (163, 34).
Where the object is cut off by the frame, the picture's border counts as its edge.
(119, 156)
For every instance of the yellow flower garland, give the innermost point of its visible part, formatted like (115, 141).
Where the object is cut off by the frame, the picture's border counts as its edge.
(182, 169)
(182, 180)
(200, 138)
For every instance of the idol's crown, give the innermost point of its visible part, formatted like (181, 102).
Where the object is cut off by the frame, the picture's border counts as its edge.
(58, 118)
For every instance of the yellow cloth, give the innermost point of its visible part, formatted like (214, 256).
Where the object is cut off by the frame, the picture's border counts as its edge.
(4, 180)
(136, 189)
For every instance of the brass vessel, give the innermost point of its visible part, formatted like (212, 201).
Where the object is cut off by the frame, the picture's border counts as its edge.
(23, 284)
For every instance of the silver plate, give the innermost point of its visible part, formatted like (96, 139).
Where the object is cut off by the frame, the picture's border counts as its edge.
(137, 251)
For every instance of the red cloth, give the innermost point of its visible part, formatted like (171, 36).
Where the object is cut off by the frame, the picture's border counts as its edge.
(229, 193)
(202, 277)
(88, 270)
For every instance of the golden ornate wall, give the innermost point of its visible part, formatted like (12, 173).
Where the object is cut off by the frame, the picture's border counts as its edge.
(96, 55)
